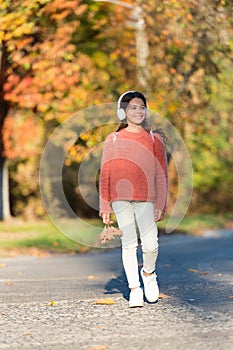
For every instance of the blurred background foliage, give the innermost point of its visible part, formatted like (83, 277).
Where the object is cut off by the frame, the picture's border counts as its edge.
(59, 56)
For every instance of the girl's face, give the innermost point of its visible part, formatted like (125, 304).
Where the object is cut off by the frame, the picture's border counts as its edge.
(135, 111)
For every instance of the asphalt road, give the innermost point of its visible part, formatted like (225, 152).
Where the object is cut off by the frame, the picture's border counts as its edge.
(50, 303)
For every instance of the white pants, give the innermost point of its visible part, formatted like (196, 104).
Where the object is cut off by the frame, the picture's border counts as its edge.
(127, 215)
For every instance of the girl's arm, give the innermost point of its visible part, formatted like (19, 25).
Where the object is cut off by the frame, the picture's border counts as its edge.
(161, 177)
(104, 183)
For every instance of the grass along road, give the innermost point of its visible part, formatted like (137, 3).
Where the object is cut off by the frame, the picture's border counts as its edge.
(42, 237)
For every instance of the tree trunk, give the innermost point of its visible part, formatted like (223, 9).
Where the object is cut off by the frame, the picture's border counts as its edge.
(6, 192)
(1, 188)
(4, 184)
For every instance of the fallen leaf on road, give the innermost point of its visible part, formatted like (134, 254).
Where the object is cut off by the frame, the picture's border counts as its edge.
(99, 347)
(163, 296)
(8, 283)
(231, 297)
(106, 301)
(52, 303)
(193, 270)
(2, 265)
(91, 277)
(201, 273)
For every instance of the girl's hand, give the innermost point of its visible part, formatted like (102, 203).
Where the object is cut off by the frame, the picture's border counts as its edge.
(106, 218)
(159, 215)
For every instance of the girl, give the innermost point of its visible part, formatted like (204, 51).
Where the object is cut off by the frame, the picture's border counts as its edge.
(133, 185)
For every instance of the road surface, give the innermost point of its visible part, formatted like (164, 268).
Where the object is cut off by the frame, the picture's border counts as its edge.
(50, 303)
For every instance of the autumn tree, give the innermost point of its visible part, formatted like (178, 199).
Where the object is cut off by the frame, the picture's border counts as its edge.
(58, 57)
(45, 77)
(190, 67)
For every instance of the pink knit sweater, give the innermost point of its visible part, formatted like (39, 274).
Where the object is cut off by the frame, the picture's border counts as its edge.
(133, 168)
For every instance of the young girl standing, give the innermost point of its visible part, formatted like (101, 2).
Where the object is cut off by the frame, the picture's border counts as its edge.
(133, 185)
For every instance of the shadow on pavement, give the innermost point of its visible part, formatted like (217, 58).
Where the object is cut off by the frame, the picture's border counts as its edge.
(118, 285)
(192, 271)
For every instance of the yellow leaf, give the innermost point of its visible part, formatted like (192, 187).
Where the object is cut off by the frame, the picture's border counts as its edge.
(52, 303)
(106, 301)
(91, 277)
(193, 270)
(2, 265)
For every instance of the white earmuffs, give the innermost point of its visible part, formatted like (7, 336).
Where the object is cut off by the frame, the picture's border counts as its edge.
(121, 112)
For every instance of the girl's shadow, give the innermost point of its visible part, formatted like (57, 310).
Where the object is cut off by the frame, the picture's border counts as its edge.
(118, 285)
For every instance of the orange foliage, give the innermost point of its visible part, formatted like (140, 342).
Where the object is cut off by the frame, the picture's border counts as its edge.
(45, 74)
(21, 137)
